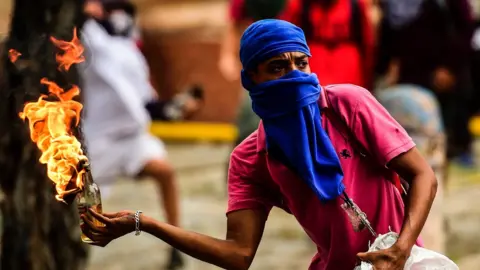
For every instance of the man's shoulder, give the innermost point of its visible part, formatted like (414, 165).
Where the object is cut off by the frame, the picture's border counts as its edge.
(345, 95)
(247, 148)
(246, 159)
(346, 92)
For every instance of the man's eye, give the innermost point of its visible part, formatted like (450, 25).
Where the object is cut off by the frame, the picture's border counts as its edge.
(302, 64)
(276, 69)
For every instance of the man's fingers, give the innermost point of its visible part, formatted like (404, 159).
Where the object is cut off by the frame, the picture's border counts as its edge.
(110, 215)
(99, 244)
(98, 216)
(362, 256)
(366, 256)
(93, 227)
(89, 233)
(97, 238)
(100, 241)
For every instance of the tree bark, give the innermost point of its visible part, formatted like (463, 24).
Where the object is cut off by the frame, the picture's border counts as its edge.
(39, 232)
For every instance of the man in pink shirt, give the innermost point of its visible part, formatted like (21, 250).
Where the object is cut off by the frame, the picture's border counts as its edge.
(314, 147)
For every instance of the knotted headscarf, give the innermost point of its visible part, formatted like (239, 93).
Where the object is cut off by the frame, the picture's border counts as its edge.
(289, 110)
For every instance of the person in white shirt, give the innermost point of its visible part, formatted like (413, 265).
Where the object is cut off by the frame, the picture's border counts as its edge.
(116, 87)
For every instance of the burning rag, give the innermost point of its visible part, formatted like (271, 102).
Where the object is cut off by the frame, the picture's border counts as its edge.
(289, 110)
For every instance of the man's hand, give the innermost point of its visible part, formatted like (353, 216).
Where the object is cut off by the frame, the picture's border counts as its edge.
(107, 227)
(393, 258)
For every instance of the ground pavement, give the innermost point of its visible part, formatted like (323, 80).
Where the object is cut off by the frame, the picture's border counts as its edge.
(201, 171)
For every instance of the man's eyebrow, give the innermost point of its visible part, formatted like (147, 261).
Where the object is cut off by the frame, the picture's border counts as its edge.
(278, 61)
(301, 57)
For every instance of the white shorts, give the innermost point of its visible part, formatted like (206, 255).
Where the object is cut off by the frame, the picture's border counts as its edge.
(127, 157)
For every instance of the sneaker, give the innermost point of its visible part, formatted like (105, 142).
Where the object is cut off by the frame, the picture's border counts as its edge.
(176, 260)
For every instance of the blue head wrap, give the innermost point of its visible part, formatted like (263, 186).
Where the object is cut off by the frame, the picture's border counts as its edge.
(289, 110)
(266, 38)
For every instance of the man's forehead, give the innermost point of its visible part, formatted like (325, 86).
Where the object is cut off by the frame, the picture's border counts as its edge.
(289, 55)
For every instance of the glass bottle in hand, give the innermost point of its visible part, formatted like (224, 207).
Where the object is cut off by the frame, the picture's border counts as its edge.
(89, 197)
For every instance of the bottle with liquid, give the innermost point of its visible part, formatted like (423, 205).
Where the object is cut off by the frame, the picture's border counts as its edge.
(89, 197)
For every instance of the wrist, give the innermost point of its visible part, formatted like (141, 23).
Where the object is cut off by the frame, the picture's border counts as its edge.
(137, 222)
(144, 223)
(404, 244)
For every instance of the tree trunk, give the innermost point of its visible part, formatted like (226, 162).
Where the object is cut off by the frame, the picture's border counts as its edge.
(39, 232)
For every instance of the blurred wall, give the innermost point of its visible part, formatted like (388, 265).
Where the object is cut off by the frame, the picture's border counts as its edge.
(5, 9)
(182, 44)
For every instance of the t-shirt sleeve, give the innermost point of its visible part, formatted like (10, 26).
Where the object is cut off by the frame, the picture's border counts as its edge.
(245, 190)
(382, 136)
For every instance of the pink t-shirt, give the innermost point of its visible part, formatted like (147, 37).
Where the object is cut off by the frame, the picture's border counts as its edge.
(256, 181)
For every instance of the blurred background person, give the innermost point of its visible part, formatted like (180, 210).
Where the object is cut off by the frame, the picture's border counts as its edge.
(428, 43)
(340, 34)
(417, 110)
(116, 125)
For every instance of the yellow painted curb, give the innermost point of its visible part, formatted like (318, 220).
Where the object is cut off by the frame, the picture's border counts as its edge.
(223, 132)
(196, 131)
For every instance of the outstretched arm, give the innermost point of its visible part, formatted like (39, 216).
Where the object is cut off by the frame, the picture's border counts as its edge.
(244, 232)
(248, 210)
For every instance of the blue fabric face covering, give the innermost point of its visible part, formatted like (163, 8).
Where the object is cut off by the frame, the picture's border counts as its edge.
(289, 110)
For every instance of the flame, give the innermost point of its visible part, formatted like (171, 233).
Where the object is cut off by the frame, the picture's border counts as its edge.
(73, 51)
(13, 55)
(50, 121)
